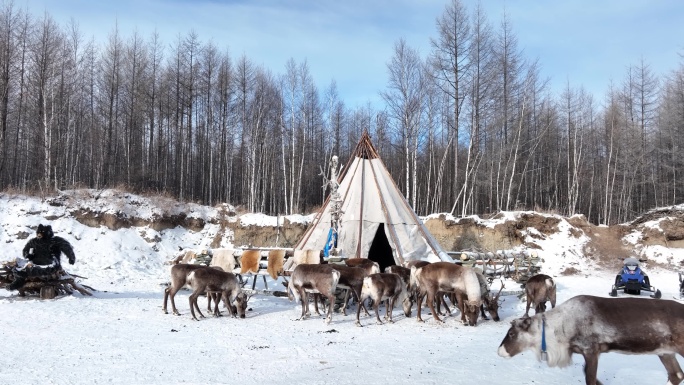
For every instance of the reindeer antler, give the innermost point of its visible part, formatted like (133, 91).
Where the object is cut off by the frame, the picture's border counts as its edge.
(496, 297)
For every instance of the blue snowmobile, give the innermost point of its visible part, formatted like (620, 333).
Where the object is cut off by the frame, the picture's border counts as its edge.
(633, 280)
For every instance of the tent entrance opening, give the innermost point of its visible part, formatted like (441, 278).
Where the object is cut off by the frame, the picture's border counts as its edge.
(380, 250)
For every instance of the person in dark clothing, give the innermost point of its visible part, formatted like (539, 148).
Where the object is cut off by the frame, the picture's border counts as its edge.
(44, 256)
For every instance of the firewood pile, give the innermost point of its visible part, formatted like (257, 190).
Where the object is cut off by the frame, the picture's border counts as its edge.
(47, 286)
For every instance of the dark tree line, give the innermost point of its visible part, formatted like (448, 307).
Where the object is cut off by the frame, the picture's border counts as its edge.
(469, 128)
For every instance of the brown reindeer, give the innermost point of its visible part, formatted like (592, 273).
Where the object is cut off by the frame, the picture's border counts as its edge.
(179, 278)
(360, 262)
(448, 278)
(489, 303)
(539, 289)
(405, 274)
(590, 326)
(309, 278)
(213, 280)
(351, 279)
(379, 287)
(413, 295)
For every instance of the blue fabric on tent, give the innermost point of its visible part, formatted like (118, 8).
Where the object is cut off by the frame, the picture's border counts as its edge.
(331, 243)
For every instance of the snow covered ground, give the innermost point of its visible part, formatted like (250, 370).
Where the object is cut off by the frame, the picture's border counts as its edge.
(121, 336)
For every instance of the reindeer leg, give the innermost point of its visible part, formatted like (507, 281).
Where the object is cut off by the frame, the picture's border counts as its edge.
(527, 308)
(442, 300)
(358, 311)
(228, 303)
(304, 297)
(331, 303)
(482, 313)
(166, 297)
(376, 306)
(317, 297)
(217, 300)
(360, 303)
(419, 302)
(346, 300)
(674, 371)
(387, 309)
(431, 305)
(193, 306)
(172, 295)
(390, 308)
(591, 367)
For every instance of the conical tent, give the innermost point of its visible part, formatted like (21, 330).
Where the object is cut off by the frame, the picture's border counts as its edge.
(375, 220)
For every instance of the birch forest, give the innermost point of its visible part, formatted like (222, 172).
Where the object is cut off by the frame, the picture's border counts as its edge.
(470, 127)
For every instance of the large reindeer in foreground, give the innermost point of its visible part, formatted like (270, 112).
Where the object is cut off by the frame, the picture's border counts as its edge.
(313, 278)
(448, 278)
(383, 286)
(590, 326)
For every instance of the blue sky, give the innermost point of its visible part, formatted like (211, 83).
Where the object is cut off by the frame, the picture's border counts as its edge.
(584, 42)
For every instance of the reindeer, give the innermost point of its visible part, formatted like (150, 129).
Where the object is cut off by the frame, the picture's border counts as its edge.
(351, 279)
(360, 262)
(313, 278)
(214, 280)
(489, 303)
(179, 278)
(413, 293)
(539, 289)
(405, 274)
(379, 287)
(590, 326)
(449, 278)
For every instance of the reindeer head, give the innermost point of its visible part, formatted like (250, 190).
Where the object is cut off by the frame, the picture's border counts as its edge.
(239, 305)
(492, 305)
(407, 303)
(472, 310)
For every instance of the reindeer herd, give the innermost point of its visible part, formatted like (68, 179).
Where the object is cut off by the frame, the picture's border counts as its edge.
(408, 285)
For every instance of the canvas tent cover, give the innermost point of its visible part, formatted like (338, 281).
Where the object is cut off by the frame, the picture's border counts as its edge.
(371, 200)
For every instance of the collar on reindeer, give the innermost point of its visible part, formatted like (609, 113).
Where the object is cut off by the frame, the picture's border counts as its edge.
(543, 341)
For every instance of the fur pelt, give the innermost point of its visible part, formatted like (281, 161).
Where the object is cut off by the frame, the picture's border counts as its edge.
(276, 260)
(249, 262)
(300, 257)
(225, 258)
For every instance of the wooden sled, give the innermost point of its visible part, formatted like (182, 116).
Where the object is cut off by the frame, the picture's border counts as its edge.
(46, 286)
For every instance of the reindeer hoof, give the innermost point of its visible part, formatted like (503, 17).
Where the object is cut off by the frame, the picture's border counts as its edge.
(359, 324)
